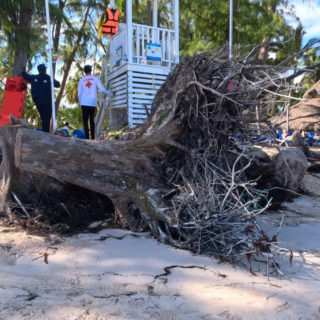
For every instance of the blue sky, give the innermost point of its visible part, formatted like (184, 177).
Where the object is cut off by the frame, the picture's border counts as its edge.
(309, 13)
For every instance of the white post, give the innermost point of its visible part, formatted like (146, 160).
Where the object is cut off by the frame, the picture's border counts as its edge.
(129, 29)
(155, 13)
(50, 65)
(176, 29)
(230, 28)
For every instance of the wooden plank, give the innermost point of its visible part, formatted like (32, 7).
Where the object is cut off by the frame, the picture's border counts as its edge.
(137, 121)
(118, 72)
(141, 105)
(163, 45)
(139, 111)
(138, 44)
(138, 85)
(143, 54)
(140, 101)
(118, 75)
(142, 25)
(144, 90)
(119, 97)
(148, 80)
(150, 69)
(120, 87)
(120, 105)
(118, 83)
(122, 92)
(142, 97)
(141, 81)
(119, 101)
(120, 78)
(139, 117)
(124, 106)
(169, 48)
(149, 76)
(148, 34)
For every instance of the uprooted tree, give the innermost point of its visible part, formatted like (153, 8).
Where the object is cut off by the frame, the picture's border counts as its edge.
(181, 174)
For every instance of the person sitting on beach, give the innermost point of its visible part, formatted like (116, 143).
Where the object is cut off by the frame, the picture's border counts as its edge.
(316, 136)
(303, 134)
(285, 134)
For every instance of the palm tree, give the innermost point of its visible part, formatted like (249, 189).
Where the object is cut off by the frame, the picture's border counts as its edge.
(16, 17)
(22, 23)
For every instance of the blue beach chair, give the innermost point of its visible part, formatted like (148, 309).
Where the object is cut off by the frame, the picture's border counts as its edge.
(78, 133)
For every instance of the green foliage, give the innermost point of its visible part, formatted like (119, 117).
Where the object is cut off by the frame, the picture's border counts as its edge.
(71, 92)
(204, 25)
(113, 134)
(291, 46)
(71, 115)
(309, 58)
(30, 113)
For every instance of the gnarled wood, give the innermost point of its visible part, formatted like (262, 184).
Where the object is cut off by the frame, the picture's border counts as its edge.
(125, 171)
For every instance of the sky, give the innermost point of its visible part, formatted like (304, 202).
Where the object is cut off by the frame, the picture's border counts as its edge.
(309, 13)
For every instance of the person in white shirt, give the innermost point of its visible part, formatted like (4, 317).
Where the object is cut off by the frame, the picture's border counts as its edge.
(88, 100)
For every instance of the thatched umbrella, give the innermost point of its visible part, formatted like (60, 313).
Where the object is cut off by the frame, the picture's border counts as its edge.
(305, 115)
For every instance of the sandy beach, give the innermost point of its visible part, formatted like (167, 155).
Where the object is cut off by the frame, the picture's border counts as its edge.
(119, 275)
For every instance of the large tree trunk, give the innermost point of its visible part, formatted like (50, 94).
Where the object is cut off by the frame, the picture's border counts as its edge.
(121, 170)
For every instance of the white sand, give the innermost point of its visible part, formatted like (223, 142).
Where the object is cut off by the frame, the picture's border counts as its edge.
(89, 278)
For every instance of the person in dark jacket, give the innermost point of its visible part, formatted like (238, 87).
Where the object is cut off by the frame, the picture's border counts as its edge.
(41, 94)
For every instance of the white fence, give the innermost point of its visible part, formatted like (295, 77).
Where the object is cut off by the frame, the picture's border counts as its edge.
(141, 36)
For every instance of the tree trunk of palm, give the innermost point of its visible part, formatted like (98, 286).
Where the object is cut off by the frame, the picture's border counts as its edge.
(263, 52)
(71, 58)
(57, 33)
(21, 56)
(264, 49)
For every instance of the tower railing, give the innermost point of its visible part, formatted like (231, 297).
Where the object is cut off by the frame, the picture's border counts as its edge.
(145, 41)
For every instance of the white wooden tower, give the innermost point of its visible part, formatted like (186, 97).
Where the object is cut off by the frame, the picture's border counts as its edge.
(140, 59)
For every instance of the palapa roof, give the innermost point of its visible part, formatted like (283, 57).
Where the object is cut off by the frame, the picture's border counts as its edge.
(305, 115)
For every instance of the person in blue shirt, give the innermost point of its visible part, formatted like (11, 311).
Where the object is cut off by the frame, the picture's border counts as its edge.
(41, 94)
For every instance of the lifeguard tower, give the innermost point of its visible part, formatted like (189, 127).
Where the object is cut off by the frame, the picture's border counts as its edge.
(140, 59)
